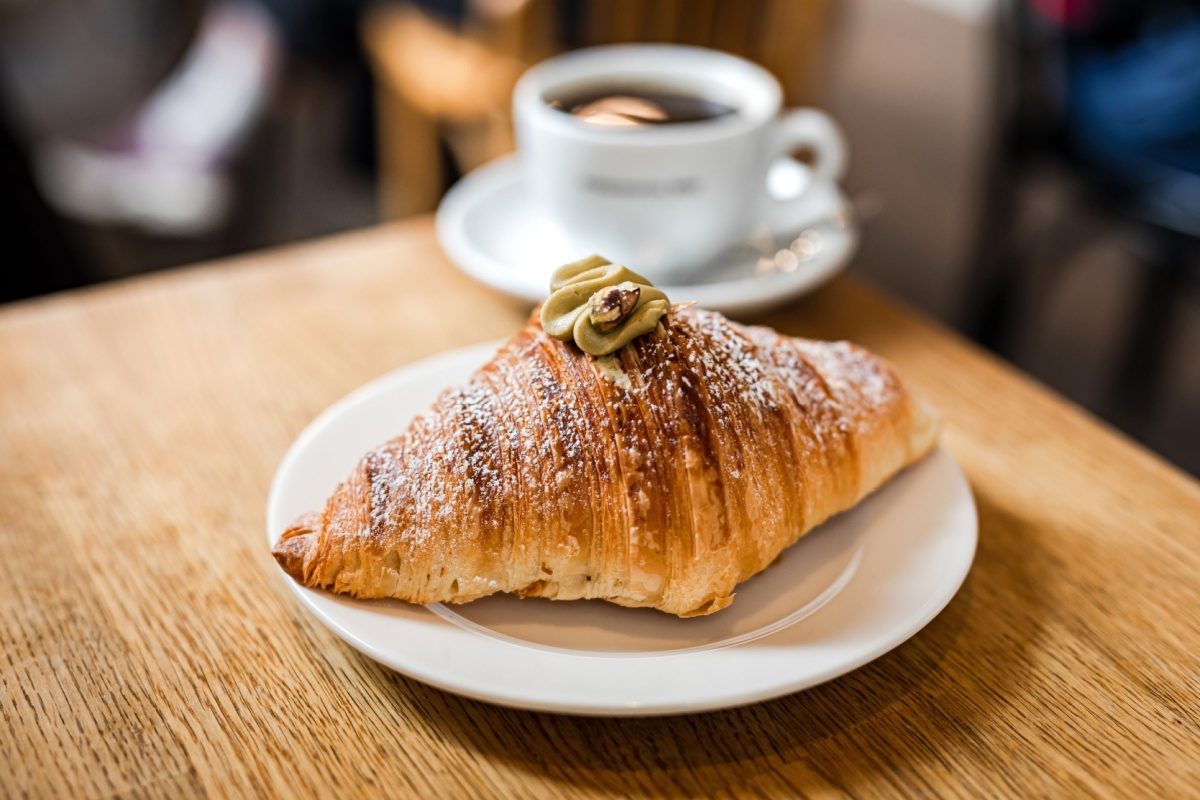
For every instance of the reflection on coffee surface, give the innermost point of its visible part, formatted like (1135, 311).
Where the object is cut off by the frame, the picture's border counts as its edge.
(633, 108)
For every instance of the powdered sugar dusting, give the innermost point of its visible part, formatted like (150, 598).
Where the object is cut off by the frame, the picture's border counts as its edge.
(549, 467)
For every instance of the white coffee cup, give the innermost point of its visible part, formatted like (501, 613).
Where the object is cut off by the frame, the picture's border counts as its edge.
(663, 199)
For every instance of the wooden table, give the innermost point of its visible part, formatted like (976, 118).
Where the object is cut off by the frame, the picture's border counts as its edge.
(150, 645)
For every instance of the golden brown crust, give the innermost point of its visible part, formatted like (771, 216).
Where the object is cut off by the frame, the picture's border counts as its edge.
(660, 476)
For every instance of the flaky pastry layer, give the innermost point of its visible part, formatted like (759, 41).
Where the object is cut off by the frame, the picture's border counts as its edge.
(661, 476)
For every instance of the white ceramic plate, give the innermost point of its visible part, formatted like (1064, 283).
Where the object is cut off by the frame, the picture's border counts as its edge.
(490, 228)
(845, 594)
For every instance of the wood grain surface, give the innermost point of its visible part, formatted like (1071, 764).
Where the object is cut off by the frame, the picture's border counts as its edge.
(149, 646)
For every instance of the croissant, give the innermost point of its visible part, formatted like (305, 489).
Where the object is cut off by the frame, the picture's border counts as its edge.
(659, 476)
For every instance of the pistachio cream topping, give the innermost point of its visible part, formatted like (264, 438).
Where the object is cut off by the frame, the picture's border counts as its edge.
(600, 305)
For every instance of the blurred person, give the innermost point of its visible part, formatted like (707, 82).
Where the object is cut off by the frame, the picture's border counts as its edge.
(166, 169)
(1109, 91)
(1131, 96)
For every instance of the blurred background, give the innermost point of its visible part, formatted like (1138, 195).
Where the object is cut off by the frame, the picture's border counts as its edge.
(1027, 171)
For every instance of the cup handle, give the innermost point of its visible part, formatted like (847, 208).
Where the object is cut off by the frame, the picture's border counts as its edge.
(815, 130)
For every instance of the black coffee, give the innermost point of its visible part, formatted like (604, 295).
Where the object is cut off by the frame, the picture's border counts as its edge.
(627, 107)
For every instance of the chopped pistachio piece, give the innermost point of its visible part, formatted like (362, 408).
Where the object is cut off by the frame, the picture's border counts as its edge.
(611, 306)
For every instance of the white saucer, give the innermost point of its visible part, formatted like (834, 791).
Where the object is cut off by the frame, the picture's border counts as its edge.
(488, 225)
(843, 595)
